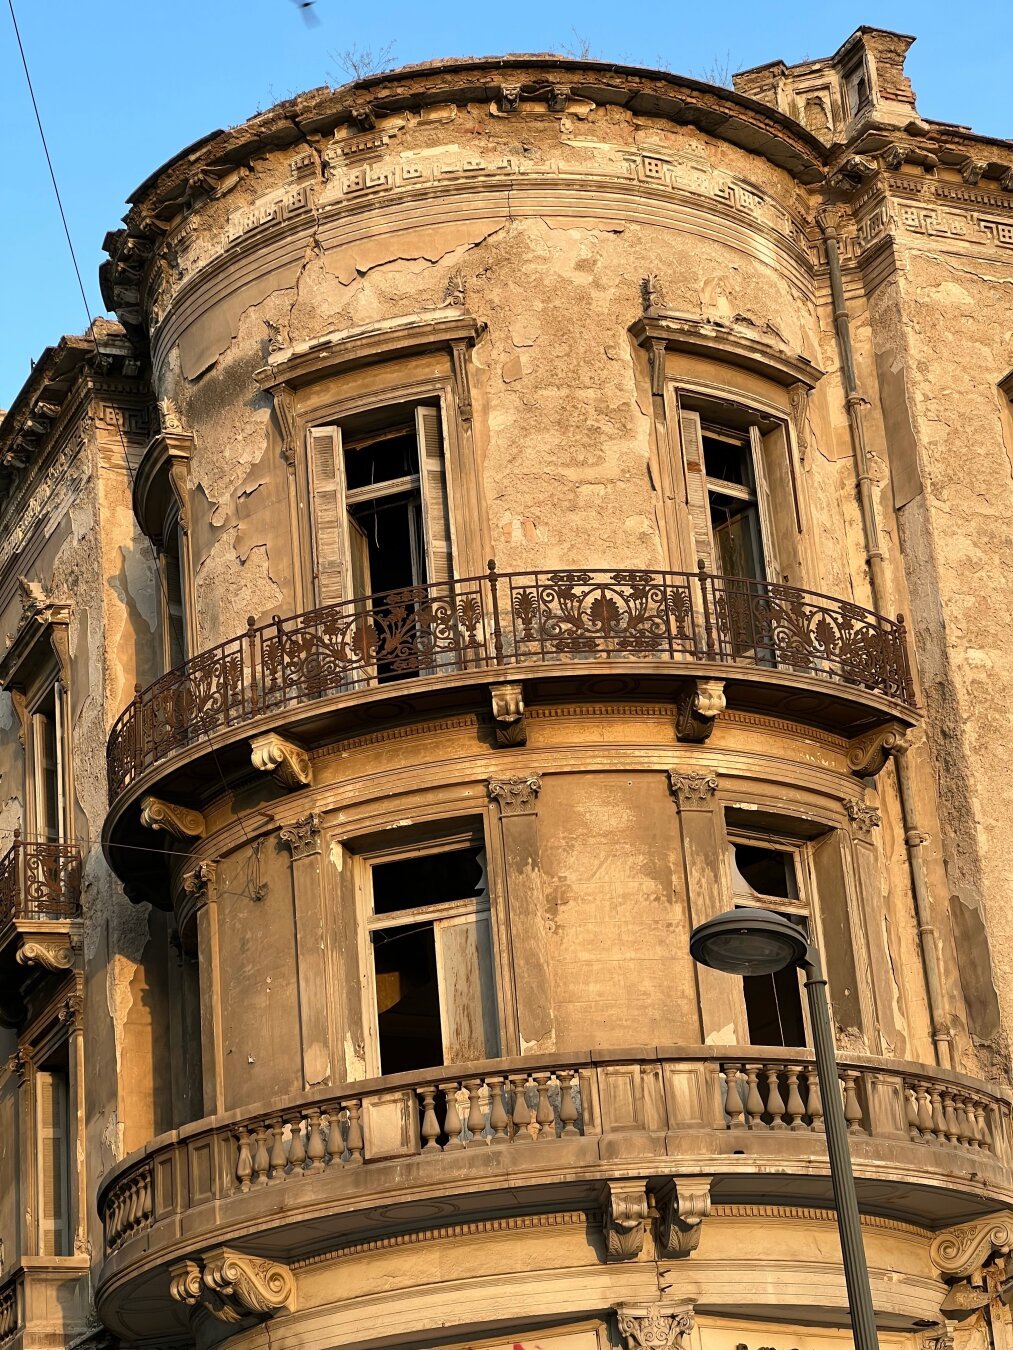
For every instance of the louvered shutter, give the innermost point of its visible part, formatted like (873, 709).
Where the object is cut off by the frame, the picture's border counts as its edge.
(772, 565)
(51, 1100)
(436, 523)
(327, 474)
(696, 487)
(464, 964)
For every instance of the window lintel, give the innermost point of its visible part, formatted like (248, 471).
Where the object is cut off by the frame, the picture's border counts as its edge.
(41, 635)
(727, 345)
(161, 481)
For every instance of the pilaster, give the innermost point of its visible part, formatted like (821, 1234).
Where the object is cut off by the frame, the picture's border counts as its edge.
(202, 889)
(303, 840)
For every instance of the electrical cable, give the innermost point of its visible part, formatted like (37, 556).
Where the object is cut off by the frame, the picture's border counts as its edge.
(123, 446)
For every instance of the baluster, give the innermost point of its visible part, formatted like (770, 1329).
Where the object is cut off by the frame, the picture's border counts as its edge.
(924, 1111)
(733, 1097)
(775, 1102)
(522, 1114)
(567, 1104)
(355, 1142)
(145, 1209)
(938, 1119)
(972, 1122)
(244, 1162)
(335, 1137)
(852, 1107)
(499, 1121)
(277, 1153)
(314, 1142)
(476, 1117)
(949, 1118)
(261, 1160)
(251, 656)
(296, 1147)
(963, 1130)
(754, 1102)
(545, 1117)
(814, 1101)
(430, 1125)
(911, 1110)
(453, 1125)
(131, 1206)
(795, 1108)
(981, 1116)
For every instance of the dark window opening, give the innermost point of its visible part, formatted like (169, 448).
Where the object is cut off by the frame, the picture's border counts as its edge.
(388, 536)
(49, 804)
(407, 999)
(173, 601)
(774, 1004)
(435, 878)
(767, 871)
(384, 457)
(732, 501)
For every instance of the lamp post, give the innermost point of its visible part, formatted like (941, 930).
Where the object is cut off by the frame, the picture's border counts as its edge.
(759, 942)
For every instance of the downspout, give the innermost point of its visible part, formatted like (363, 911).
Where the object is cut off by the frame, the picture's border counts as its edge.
(914, 837)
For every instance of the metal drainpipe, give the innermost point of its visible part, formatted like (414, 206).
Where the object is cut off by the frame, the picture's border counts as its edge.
(914, 837)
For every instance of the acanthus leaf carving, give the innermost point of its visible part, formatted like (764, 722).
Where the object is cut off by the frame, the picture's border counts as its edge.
(508, 713)
(683, 1208)
(303, 835)
(864, 818)
(692, 789)
(867, 755)
(625, 1217)
(199, 883)
(51, 953)
(232, 1286)
(515, 796)
(654, 1326)
(182, 822)
(698, 703)
(965, 1249)
(288, 762)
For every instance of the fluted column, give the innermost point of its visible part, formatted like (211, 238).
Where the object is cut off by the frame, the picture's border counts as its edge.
(303, 839)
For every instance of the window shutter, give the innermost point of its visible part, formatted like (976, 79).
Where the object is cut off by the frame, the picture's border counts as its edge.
(327, 475)
(778, 462)
(467, 988)
(696, 487)
(434, 495)
(767, 517)
(51, 1099)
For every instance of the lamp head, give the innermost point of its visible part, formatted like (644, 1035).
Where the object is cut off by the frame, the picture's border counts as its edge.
(748, 942)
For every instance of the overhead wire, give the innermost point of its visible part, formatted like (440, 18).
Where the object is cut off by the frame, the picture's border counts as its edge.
(167, 610)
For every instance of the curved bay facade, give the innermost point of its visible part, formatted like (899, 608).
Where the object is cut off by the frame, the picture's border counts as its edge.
(481, 557)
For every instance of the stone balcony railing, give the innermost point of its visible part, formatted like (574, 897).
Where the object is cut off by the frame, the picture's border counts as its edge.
(40, 882)
(502, 1129)
(507, 621)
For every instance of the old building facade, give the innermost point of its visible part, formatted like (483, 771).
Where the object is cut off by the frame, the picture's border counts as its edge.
(474, 557)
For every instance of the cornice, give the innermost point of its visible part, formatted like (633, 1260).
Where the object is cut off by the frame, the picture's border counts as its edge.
(730, 346)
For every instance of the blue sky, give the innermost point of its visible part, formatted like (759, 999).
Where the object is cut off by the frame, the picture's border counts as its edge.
(123, 86)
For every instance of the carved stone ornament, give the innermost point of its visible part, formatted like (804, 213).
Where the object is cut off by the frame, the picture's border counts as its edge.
(867, 755)
(20, 1064)
(169, 419)
(199, 883)
(654, 1326)
(71, 1011)
(652, 295)
(289, 763)
(455, 291)
(303, 835)
(516, 796)
(625, 1219)
(698, 703)
(692, 789)
(51, 953)
(683, 1208)
(864, 818)
(179, 821)
(232, 1286)
(508, 712)
(509, 97)
(964, 1250)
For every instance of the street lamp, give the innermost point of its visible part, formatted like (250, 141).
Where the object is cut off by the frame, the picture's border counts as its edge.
(759, 942)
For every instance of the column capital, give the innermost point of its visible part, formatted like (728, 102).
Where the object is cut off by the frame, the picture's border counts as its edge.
(515, 796)
(692, 790)
(655, 1326)
(303, 835)
(200, 884)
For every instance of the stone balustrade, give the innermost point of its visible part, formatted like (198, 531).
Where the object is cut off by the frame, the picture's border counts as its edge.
(8, 1312)
(692, 1102)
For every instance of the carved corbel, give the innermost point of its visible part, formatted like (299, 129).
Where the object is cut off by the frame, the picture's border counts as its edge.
(515, 796)
(867, 755)
(971, 170)
(558, 96)
(509, 97)
(692, 789)
(508, 713)
(683, 1205)
(459, 353)
(51, 953)
(363, 116)
(284, 410)
(698, 703)
(894, 156)
(974, 1260)
(1006, 181)
(20, 1064)
(303, 835)
(289, 763)
(654, 1326)
(179, 821)
(864, 818)
(233, 1287)
(625, 1217)
(851, 172)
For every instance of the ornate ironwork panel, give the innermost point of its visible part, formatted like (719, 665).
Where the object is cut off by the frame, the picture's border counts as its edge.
(39, 881)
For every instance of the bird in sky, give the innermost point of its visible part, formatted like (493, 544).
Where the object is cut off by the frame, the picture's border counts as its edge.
(305, 8)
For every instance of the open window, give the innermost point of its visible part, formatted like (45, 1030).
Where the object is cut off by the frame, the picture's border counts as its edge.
(380, 514)
(173, 592)
(46, 757)
(432, 960)
(741, 492)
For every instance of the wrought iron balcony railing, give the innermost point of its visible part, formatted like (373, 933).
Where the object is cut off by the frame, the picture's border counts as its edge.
(506, 620)
(39, 882)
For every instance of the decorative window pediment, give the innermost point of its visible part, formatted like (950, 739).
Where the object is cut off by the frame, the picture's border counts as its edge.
(41, 636)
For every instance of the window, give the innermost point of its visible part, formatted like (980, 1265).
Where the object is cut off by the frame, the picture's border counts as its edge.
(381, 518)
(768, 875)
(856, 83)
(173, 594)
(741, 491)
(52, 1138)
(46, 766)
(433, 981)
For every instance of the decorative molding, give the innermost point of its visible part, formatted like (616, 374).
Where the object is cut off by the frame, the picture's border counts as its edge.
(967, 1248)
(181, 822)
(20, 1064)
(43, 627)
(232, 1286)
(289, 763)
(683, 1207)
(624, 1219)
(698, 703)
(810, 1214)
(71, 1011)
(303, 835)
(455, 292)
(655, 1326)
(462, 380)
(515, 796)
(508, 713)
(864, 818)
(867, 755)
(731, 344)
(652, 294)
(51, 953)
(692, 789)
(200, 884)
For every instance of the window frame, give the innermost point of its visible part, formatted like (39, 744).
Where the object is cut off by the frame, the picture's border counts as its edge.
(368, 922)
